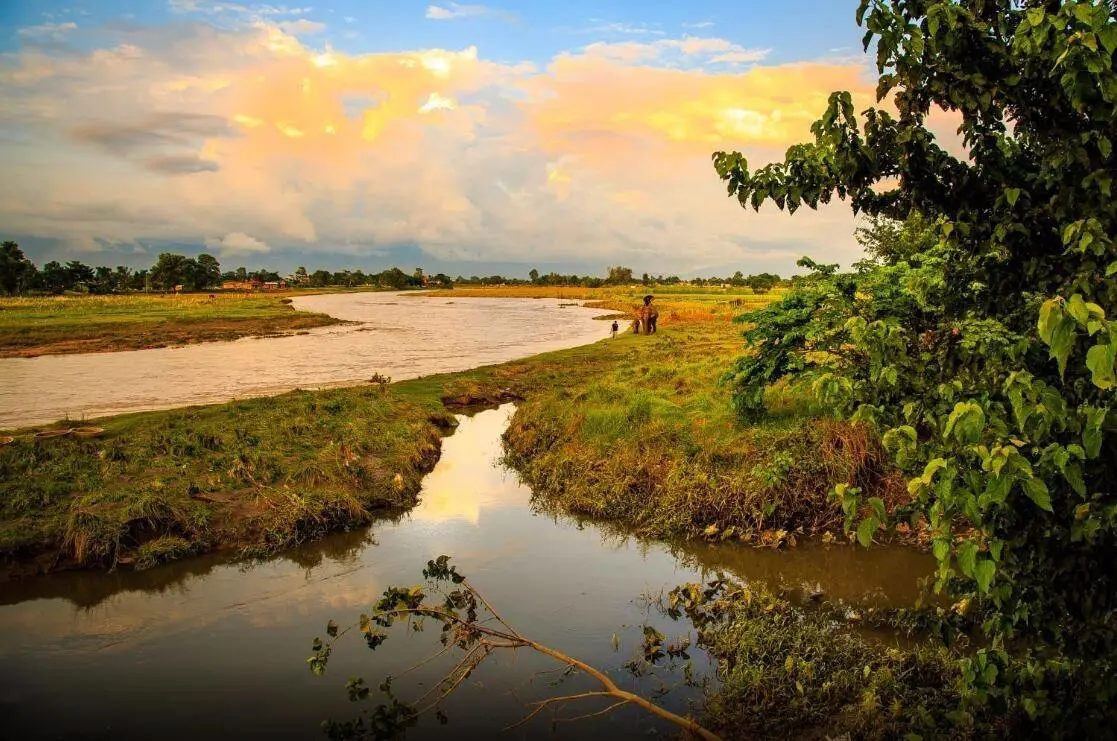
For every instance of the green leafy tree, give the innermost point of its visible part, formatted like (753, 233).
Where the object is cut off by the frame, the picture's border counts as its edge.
(534, 275)
(54, 277)
(619, 275)
(15, 268)
(994, 388)
(205, 273)
(79, 275)
(170, 270)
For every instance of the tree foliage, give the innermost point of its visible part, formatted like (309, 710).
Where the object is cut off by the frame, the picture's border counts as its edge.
(978, 340)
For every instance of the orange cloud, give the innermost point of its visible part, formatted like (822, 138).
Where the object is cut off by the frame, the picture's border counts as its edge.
(251, 141)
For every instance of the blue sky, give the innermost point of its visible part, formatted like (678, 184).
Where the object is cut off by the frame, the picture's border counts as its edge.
(466, 136)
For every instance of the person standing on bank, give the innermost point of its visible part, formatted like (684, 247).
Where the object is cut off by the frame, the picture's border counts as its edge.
(616, 328)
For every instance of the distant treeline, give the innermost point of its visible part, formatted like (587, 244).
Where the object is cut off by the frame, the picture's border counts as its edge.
(19, 275)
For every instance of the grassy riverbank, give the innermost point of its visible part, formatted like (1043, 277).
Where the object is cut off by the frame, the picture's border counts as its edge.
(70, 324)
(254, 476)
(651, 442)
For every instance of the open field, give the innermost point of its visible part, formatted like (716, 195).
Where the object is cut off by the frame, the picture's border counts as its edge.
(675, 303)
(68, 324)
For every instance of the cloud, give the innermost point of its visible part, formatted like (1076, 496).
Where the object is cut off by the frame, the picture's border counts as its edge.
(628, 29)
(453, 11)
(687, 51)
(52, 31)
(180, 164)
(216, 7)
(179, 134)
(301, 27)
(237, 243)
(700, 24)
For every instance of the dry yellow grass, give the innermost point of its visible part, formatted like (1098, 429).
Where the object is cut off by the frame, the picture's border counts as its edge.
(675, 303)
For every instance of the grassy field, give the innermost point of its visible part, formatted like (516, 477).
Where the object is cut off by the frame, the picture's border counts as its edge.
(675, 303)
(69, 324)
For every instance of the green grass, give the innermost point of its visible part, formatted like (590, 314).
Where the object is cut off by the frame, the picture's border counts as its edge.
(651, 441)
(254, 475)
(64, 324)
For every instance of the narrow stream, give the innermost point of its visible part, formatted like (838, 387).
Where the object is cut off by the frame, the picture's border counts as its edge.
(210, 649)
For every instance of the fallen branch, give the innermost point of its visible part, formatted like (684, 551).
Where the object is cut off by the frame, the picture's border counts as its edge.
(462, 629)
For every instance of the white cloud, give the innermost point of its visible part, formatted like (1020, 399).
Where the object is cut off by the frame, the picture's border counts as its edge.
(237, 243)
(301, 27)
(687, 51)
(217, 7)
(452, 11)
(628, 29)
(700, 24)
(742, 56)
(56, 31)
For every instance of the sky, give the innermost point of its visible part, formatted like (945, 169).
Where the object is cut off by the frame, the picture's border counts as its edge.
(463, 138)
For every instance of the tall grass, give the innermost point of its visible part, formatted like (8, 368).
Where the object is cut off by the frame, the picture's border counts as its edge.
(257, 475)
(652, 442)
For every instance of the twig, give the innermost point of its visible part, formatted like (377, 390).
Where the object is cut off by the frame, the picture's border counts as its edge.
(544, 703)
(488, 605)
(591, 715)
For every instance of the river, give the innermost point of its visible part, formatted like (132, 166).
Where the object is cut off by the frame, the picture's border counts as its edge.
(400, 335)
(206, 648)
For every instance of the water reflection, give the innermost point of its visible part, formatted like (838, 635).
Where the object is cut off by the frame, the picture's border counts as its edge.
(210, 648)
(402, 336)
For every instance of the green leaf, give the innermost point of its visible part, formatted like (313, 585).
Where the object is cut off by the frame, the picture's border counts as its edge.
(967, 557)
(1100, 359)
(1037, 492)
(1076, 307)
(1050, 314)
(941, 548)
(878, 509)
(865, 531)
(1011, 194)
(983, 574)
(966, 422)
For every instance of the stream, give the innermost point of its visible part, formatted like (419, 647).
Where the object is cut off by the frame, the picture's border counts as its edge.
(208, 648)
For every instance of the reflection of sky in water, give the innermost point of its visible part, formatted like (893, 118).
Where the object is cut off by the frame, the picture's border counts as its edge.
(206, 648)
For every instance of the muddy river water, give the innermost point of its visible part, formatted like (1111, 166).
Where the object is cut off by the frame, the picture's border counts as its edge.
(397, 335)
(211, 649)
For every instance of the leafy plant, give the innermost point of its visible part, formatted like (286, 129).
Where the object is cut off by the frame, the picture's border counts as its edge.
(982, 352)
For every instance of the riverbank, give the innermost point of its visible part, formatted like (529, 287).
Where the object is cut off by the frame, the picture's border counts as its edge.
(258, 475)
(652, 443)
(52, 325)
